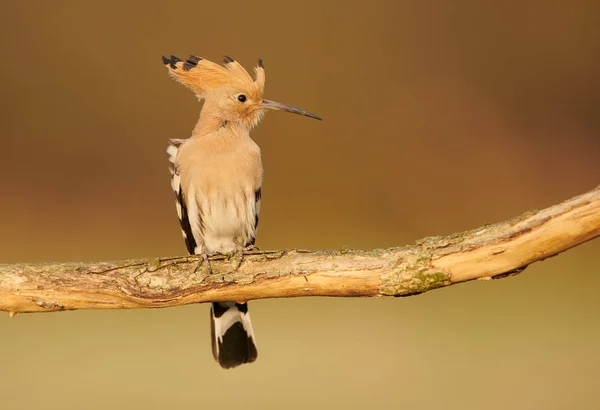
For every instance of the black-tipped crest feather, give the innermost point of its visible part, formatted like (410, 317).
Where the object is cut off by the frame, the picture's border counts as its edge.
(194, 59)
(204, 76)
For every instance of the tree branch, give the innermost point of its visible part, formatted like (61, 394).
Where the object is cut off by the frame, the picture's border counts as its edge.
(491, 251)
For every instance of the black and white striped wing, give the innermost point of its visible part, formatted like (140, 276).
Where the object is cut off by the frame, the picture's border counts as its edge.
(180, 201)
(257, 198)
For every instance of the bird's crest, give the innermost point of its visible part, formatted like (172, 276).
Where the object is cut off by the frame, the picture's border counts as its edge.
(205, 77)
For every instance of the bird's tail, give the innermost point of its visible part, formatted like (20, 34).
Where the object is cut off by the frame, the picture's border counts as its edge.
(233, 341)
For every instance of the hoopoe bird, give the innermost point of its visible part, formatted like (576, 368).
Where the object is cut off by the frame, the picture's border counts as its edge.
(217, 176)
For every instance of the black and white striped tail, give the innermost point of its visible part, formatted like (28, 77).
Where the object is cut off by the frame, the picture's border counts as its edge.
(233, 341)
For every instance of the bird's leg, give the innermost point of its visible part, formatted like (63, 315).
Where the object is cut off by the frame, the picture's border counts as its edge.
(204, 259)
(239, 251)
(251, 248)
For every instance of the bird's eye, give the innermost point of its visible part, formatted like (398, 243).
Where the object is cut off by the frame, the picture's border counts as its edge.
(241, 98)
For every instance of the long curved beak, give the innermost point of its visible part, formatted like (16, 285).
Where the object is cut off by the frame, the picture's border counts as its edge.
(274, 105)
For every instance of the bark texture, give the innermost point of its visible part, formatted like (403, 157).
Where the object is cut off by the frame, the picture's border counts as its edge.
(491, 251)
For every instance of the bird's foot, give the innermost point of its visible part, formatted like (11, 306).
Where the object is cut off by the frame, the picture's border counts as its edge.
(239, 252)
(204, 259)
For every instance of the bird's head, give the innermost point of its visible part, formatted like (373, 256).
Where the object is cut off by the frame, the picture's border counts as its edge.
(228, 91)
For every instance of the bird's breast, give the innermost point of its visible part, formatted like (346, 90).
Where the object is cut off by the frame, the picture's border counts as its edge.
(224, 180)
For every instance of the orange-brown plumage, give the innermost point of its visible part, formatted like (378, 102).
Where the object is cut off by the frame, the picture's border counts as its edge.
(220, 86)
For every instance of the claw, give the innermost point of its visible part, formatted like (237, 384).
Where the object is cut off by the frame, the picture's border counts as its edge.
(237, 252)
(204, 259)
(240, 252)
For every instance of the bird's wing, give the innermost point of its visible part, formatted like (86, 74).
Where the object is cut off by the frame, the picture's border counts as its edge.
(257, 197)
(181, 197)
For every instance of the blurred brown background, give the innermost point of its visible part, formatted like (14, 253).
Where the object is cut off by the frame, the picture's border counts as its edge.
(438, 117)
